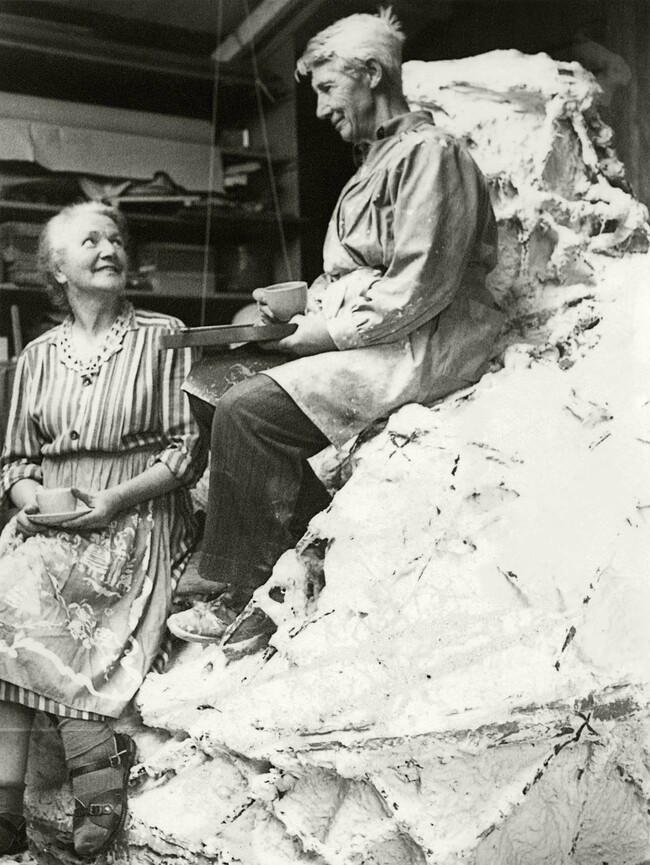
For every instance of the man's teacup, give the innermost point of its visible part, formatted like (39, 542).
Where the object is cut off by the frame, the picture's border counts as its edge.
(285, 299)
(56, 501)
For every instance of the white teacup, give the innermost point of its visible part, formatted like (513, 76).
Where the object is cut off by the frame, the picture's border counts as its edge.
(285, 299)
(56, 501)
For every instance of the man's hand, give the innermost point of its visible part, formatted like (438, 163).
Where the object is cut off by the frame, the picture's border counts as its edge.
(310, 337)
(264, 312)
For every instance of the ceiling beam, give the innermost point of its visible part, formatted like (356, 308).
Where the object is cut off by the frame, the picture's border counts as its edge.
(259, 23)
(69, 41)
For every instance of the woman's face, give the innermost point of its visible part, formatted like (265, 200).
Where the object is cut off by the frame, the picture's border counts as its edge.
(91, 254)
(345, 101)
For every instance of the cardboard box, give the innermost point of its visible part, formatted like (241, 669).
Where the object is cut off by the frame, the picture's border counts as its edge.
(19, 253)
(177, 268)
(109, 142)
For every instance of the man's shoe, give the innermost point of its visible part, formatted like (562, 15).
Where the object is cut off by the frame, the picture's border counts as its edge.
(205, 622)
(250, 632)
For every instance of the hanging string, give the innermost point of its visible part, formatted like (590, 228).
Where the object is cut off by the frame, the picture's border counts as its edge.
(211, 170)
(259, 87)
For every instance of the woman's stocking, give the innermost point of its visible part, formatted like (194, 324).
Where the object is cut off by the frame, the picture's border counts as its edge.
(15, 731)
(12, 823)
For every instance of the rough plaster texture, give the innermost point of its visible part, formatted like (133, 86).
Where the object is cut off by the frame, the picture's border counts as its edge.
(459, 673)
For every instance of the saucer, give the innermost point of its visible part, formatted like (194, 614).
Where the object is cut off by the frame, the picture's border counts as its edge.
(56, 519)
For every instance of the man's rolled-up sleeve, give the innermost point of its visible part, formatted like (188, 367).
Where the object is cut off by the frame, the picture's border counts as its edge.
(435, 197)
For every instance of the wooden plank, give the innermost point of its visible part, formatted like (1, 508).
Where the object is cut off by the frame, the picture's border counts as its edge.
(80, 43)
(257, 24)
(225, 334)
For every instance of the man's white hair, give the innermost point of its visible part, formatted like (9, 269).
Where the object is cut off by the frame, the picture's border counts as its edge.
(355, 40)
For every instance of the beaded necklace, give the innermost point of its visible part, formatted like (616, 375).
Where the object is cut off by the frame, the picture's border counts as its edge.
(89, 366)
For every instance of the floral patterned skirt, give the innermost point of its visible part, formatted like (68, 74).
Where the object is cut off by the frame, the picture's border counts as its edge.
(82, 614)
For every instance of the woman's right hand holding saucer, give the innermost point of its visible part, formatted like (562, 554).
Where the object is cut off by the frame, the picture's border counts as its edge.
(23, 496)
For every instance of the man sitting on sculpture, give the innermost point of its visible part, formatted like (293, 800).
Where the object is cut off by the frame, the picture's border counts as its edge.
(400, 314)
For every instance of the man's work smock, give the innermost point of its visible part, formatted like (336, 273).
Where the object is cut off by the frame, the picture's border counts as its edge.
(408, 247)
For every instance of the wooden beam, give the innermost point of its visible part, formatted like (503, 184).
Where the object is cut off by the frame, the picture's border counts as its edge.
(225, 334)
(69, 41)
(259, 23)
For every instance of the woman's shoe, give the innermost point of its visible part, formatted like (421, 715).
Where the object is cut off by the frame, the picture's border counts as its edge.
(105, 810)
(13, 835)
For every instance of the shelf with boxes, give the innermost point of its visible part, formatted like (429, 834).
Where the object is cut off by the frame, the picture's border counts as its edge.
(25, 311)
(170, 265)
(153, 164)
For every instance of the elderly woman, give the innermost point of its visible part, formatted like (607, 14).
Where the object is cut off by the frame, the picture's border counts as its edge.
(401, 314)
(96, 407)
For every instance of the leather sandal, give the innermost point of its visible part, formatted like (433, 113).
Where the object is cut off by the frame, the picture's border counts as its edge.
(13, 836)
(106, 809)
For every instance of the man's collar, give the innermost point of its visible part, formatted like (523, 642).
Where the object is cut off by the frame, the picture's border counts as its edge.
(394, 126)
(360, 151)
(402, 123)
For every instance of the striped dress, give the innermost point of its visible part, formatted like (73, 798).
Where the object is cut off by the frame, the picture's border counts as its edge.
(82, 614)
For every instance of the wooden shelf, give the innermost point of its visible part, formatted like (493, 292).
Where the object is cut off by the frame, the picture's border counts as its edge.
(245, 153)
(220, 296)
(10, 286)
(28, 210)
(135, 294)
(186, 218)
(240, 219)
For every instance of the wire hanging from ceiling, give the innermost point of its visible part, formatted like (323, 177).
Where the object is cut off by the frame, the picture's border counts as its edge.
(260, 87)
(211, 169)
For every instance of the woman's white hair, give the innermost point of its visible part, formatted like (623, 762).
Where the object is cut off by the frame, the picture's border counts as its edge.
(53, 236)
(355, 40)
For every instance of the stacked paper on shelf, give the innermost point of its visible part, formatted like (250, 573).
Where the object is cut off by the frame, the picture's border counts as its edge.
(19, 253)
(109, 142)
(178, 268)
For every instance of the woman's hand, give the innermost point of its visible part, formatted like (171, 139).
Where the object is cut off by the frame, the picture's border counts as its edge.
(23, 497)
(24, 525)
(104, 506)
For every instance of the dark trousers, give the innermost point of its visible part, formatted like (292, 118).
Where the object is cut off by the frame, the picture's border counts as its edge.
(262, 491)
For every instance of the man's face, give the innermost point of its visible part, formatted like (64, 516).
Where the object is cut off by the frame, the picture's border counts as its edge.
(345, 101)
